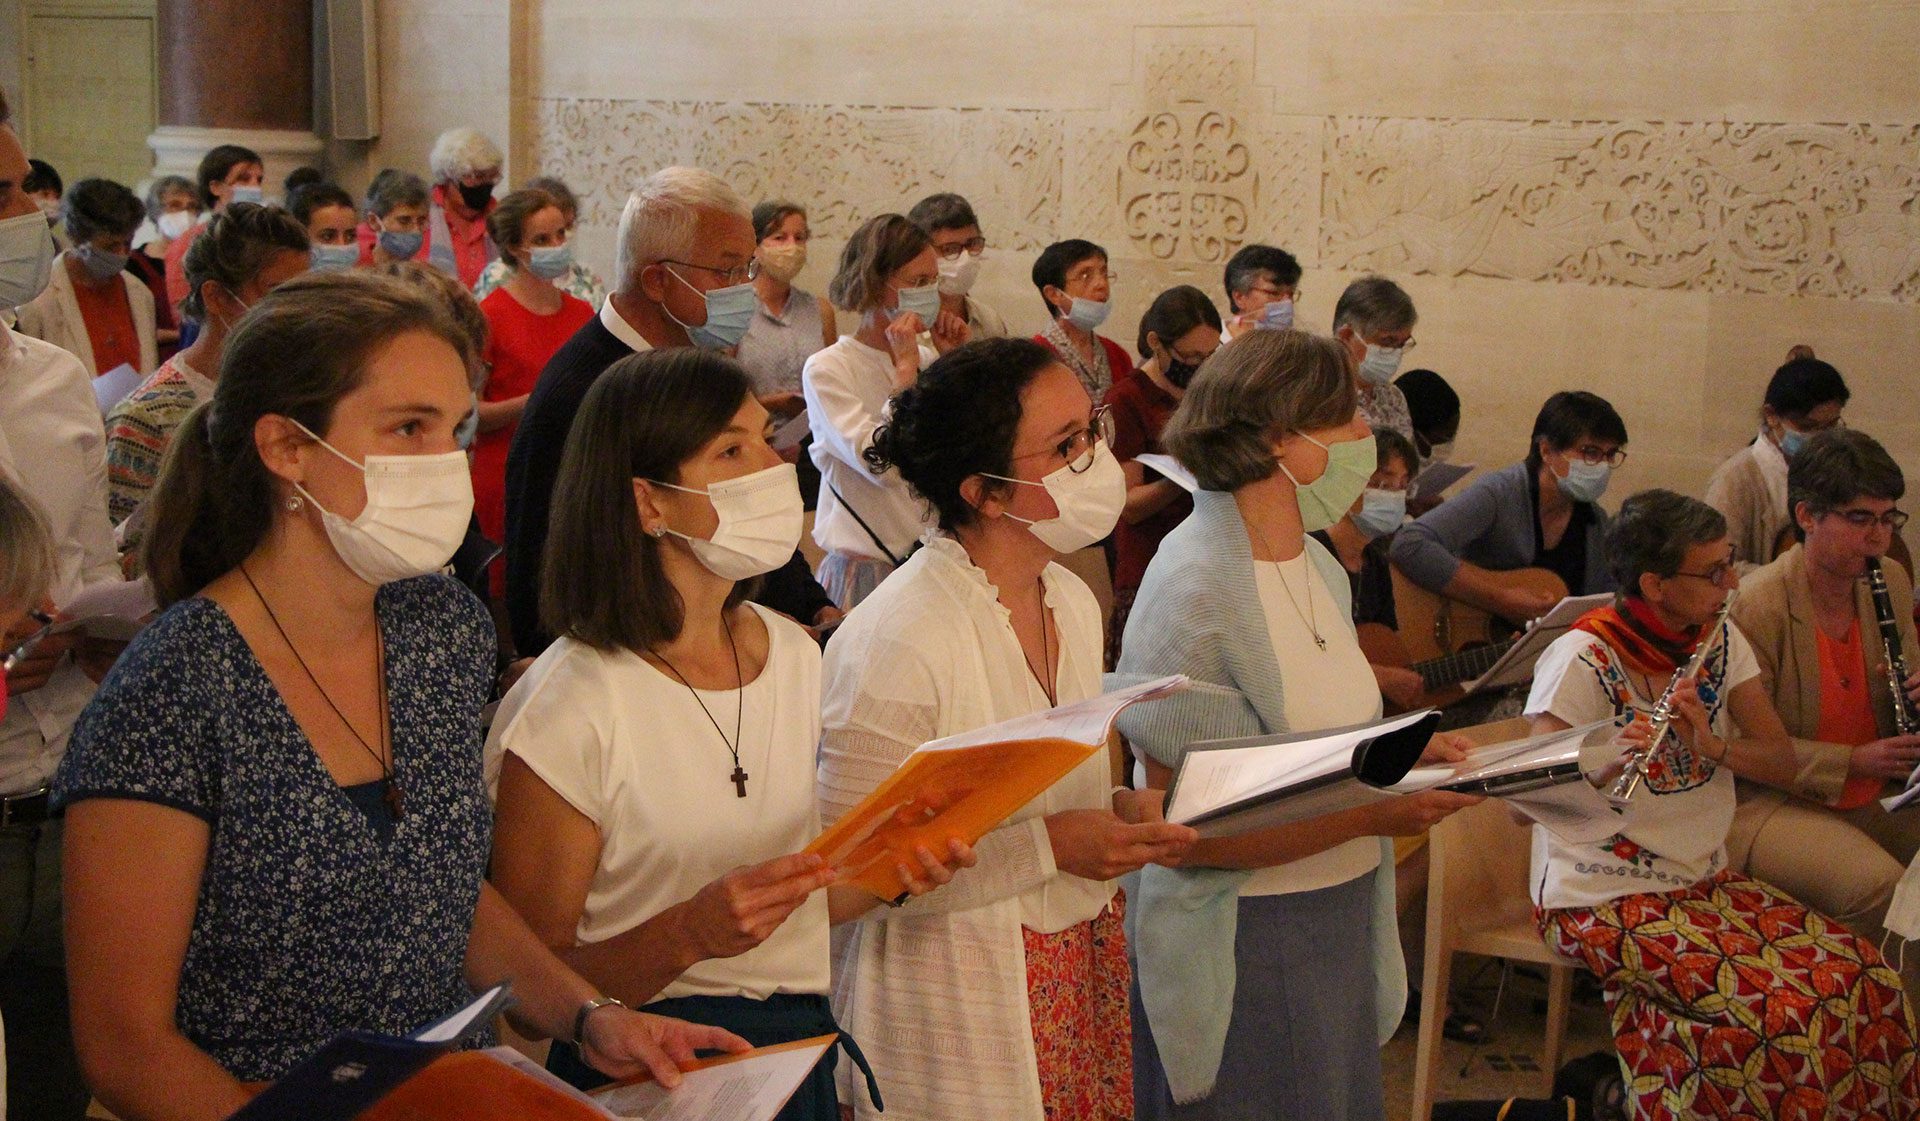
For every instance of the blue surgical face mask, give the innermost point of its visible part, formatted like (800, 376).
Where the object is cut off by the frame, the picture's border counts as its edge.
(1276, 316)
(729, 314)
(470, 427)
(923, 302)
(333, 258)
(245, 193)
(1088, 315)
(1585, 482)
(1791, 441)
(402, 246)
(1381, 512)
(1380, 364)
(550, 262)
(99, 264)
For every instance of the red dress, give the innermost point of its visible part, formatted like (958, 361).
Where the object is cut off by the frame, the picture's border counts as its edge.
(519, 343)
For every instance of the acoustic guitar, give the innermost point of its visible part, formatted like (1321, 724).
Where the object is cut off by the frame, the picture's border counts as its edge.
(1445, 641)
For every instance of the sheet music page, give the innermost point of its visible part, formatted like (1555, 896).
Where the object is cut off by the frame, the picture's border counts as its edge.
(1169, 469)
(113, 386)
(1550, 749)
(1516, 665)
(748, 1087)
(110, 609)
(1082, 721)
(1218, 777)
(1438, 477)
(791, 432)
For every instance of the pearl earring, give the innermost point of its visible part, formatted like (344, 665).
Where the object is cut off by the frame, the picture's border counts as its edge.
(658, 531)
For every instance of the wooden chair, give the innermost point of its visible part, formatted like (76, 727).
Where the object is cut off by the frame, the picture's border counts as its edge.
(1478, 903)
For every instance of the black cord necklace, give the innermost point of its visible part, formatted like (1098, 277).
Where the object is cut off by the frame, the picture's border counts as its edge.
(739, 775)
(390, 792)
(1046, 681)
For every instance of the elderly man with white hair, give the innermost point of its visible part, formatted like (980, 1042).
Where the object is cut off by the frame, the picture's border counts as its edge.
(683, 277)
(466, 169)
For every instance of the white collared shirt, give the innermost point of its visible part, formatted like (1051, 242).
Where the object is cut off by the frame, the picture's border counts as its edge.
(53, 445)
(615, 322)
(848, 389)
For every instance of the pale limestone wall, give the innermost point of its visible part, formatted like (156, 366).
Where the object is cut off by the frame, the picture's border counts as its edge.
(1652, 200)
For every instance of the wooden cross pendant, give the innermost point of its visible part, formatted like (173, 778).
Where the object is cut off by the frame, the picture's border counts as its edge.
(391, 796)
(739, 781)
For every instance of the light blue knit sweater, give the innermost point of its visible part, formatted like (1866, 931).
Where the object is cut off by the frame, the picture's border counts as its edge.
(1198, 613)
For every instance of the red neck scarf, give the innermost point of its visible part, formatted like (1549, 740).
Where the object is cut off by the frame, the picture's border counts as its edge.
(1636, 633)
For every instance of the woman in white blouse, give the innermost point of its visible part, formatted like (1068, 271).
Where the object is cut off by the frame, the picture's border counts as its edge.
(655, 765)
(1256, 613)
(1002, 995)
(867, 521)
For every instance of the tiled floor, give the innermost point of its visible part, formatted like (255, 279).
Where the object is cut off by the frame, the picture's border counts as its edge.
(1498, 1068)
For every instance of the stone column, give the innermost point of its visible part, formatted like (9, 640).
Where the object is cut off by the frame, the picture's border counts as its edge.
(236, 72)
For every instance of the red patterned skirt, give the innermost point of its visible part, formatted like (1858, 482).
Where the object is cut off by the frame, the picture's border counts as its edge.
(1077, 983)
(1729, 999)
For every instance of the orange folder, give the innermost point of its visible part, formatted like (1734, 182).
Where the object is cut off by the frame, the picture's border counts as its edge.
(964, 786)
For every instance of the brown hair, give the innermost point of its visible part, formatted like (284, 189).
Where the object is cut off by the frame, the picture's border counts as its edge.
(27, 568)
(601, 581)
(302, 347)
(877, 250)
(233, 248)
(1249, 394)
(458, 302)
(507, 221)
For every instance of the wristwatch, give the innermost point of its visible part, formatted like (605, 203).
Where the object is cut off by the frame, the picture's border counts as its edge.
(588, 1009)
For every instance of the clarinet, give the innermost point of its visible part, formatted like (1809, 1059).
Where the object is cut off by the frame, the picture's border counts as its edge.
(1905, 721)
(1624, 787)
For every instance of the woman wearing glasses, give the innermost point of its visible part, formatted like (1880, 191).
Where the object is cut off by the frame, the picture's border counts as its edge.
(1544, 512)
(1707, 967)
(866, 521)
(1075, 281)
(1002, 994)
(1806, 396)
(1270, 969)
(1813, 628)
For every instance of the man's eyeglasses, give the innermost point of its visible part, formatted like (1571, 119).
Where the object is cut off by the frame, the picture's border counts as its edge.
(1077, 449)
(973, 245)
(1594, 455)
(738, 274)
(1867, 519)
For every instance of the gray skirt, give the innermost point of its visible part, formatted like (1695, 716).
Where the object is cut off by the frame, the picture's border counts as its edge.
(1302, 1043)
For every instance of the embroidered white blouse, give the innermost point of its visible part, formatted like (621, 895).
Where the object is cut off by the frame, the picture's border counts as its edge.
(935, 991)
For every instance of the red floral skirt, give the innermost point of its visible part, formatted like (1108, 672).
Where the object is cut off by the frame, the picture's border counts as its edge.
(1730, 1000)
(1077, 982)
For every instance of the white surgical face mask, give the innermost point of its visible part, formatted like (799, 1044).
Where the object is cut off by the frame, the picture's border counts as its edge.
(26, 259)
(783, 262)
(761, 516)
(174, 223)
(245, 192)
(418, 508)
(1089, 502)
(957, 275)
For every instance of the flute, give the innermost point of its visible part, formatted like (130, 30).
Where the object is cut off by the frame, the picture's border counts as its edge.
(1905, 721)
(1624, 787)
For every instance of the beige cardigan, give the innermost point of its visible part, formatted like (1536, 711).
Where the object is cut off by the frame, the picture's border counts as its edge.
(55, 316)
(1775, 612)
(1754, 505)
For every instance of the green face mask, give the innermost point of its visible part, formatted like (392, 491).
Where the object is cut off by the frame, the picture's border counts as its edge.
(1324, 501)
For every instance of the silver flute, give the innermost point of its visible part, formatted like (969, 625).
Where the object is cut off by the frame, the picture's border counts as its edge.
(1905, 721)
(1624, 787)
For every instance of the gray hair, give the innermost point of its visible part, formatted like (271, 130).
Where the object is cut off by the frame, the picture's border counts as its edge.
(463, 151)
(662, 214)
(160, 188)
(1653, 532)
(26, 561)
(1373, 304)
(1248, 395)
(393, 188)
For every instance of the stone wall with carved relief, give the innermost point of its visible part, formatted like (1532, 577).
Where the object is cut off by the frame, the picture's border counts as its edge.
(1665, 257)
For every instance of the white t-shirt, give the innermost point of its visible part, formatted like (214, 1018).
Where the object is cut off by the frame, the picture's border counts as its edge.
(1674, 831)
(629, 747)
(1327, 688)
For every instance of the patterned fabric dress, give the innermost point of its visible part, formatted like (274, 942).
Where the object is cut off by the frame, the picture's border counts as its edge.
(1728, 999)
(1077, 983)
